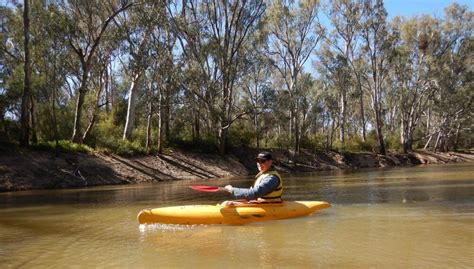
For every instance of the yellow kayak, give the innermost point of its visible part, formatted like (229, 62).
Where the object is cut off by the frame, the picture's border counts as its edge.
(240, 213)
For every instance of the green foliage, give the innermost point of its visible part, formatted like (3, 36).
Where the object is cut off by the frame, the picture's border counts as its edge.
(202, 145)
(393, 141)
(417, 142)
(9, 131)
(241, 137)
(355, 144)
(281, 141)
(107, 137)
(8, 146)
(64, 146)
(189, 87)
(315, 142)
(122, 147)
(105, 134)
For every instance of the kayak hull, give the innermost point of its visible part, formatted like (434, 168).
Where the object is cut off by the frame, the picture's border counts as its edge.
(229, 214)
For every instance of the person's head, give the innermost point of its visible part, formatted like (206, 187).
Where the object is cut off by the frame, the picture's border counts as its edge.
(264, 161)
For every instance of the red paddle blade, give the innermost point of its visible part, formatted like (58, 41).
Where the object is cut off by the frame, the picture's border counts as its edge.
(205, 188)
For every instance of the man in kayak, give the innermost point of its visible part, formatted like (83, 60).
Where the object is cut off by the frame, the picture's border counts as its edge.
(268, 186)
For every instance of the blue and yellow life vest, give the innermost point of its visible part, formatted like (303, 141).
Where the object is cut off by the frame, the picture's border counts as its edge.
(274, 196)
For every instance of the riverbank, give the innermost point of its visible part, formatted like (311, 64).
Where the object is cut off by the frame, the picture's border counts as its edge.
(43, 170)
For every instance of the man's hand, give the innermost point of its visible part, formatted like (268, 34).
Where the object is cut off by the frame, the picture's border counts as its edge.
(228, 188)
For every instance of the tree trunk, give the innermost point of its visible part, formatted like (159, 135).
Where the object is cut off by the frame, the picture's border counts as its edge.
(456, 137)
(25, 106)
(405, 138)
(88, 130)
(331, 133)
(380, 134)
(257, 131)
(160, 123)
(376, 106)
(445, 139)
(378, 123)
(34, 134)
(362, 111)
(93, 114)
(290, 127)
(428, 121)
(130, 120)
(167, 107)
(437, 141)
(148, 127)
(222, 140)
(406, 133)
(106, 88)
(196, 125)
(53, 103)
(297, 133)
(428, 142)
(76, 135)
(342, 115)
(149, 118)
(224, 118)
(111, 92)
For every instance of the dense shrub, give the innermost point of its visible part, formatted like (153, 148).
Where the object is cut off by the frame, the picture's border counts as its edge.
(355, 144)
(201, 145)
(315, 142)
(392, 141)
(64, 146)
(242, 137)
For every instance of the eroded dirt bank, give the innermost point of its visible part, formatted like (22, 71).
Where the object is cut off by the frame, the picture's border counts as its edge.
(43, 170)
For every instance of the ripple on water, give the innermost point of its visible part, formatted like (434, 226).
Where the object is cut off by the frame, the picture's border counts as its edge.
(167, 227)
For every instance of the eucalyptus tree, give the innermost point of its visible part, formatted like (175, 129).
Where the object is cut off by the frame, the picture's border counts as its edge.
(14, 79)
(334, 69)
(88, 22)
(258, 93)
(98, 85)
(212, 34)
(307, 101)
(26, 98)
(327, 106)
(18, 51)
(452, 103)
(3, 70)
(376, 46)
(345, 16)
(294, 32)
(11, 59)
(135, 27)
(411, 71)
(165, 74)
(51, 58)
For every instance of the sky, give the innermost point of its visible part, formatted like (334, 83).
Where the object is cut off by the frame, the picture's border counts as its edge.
(416, 7)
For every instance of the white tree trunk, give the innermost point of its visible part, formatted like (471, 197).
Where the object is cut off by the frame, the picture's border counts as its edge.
(130, 120)
(342, 116)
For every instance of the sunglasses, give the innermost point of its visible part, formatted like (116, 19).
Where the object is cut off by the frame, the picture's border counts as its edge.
(260, 161)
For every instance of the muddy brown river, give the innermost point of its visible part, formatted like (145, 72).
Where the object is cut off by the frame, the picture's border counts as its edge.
(411, 217)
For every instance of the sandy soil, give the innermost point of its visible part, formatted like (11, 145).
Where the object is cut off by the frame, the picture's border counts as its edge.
(43, 170)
